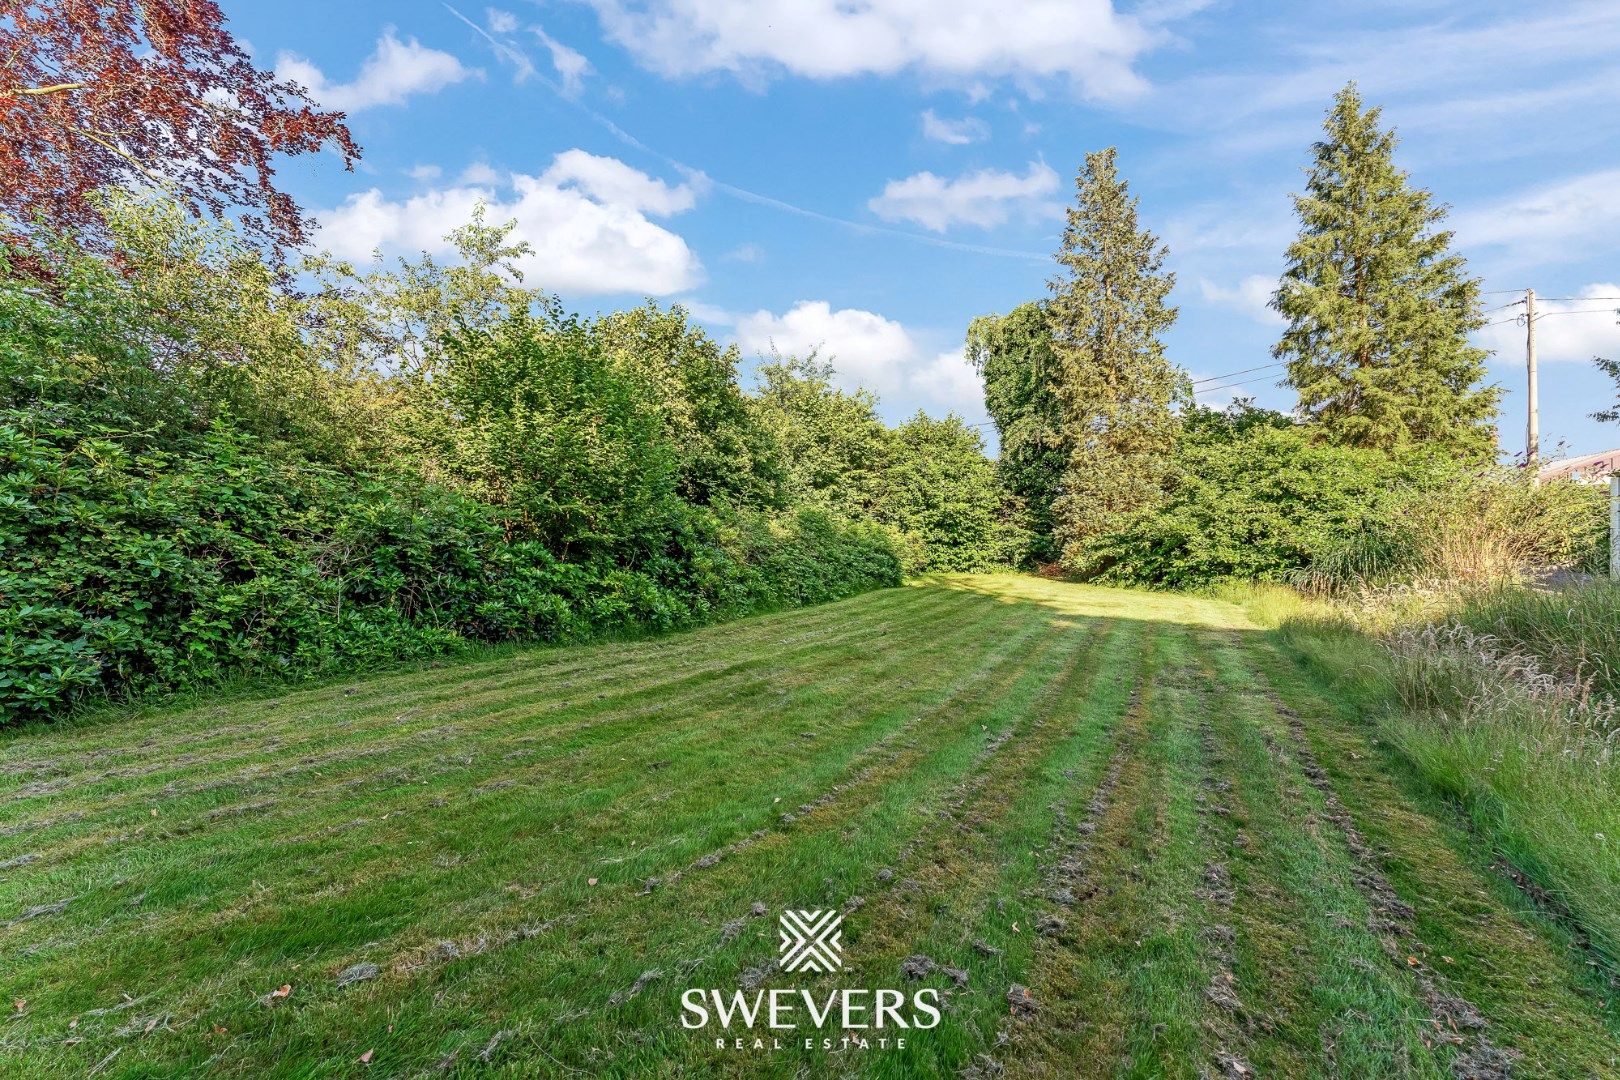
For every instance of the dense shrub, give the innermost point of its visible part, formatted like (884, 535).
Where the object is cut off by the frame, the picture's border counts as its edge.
(170, 517)
(926, 481)
(1260, 504)
(945, 502)
(162, 568)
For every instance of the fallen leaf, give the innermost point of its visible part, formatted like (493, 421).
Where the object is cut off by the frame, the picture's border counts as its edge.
(73, 1023)
(219, 1030)
(590, 881)
(1015, 928)
(154, 811)
(365, 1058)
(1448, 959)
(1412, 961)
(286, 988)
(19, 1003)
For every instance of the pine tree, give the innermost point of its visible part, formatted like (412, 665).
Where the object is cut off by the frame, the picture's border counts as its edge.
(1379, 310)
(1116, 390)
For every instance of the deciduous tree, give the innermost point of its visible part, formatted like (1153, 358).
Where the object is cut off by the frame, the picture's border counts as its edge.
(1013, 355)
(101, 92)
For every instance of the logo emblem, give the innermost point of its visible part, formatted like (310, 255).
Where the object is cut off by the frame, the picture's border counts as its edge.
(811, 941)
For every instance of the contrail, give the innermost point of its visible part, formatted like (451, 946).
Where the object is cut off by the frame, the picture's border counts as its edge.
(528, 70)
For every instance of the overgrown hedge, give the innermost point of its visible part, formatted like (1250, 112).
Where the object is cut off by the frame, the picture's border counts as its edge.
(128, 567)
(1261, 505)
(1273, 503)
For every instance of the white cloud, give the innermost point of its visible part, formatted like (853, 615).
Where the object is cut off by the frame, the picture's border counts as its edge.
(1561, 334)
(501, 22)
(966, 40)
(611, 181)
(480, 173)
(571, 65)
(1549, 222)
(394, 71)
(425, 173)
(867, 350)
(954, 132)
(587, 218)
(984, 198)
(1251, 296)
(746, 253)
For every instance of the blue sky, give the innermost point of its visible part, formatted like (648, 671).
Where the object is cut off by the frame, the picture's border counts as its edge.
(868, 176)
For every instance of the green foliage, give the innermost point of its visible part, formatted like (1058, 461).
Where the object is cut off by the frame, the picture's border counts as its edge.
(941, 496)
(723, 452)
(1379, 311)
(834, 448)
(1471, 527)
(1260, 506)
(927, 482)
(1201, 423)
(531, 416)
(125, 572)
(176, 509)
(1013, 354)
(1115, 388)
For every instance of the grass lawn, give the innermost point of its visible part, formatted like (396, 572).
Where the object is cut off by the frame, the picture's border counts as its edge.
(1120, 833)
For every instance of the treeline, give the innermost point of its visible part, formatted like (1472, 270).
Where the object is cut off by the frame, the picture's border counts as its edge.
(1387, 469)
(218, 461)
(211, 469)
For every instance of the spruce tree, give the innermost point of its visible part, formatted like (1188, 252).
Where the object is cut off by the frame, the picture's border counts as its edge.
(1117, 391)
(1378, 308)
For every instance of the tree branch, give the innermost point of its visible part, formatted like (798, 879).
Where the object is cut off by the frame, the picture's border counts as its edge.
(41, 91)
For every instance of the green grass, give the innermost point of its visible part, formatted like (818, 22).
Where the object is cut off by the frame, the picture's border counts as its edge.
(1504, 715)
(1186, 847)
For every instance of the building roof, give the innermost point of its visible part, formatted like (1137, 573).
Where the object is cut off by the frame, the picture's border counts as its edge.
(1589, 468)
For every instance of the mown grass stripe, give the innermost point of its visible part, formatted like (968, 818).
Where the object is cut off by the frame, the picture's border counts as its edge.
(1011, 646)
(315, 731)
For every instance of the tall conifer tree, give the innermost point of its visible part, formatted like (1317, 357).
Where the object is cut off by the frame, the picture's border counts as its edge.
(1378, 307)
(1116, 389)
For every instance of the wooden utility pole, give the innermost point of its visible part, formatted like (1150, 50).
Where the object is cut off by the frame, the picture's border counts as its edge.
(1532, 431)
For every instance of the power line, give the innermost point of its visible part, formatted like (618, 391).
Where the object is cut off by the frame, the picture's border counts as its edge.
(1245, 371)
(1228, 386)
(1583, 311)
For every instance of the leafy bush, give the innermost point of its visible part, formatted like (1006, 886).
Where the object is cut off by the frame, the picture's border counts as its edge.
(124, 572)
(152, 539)
(926, 481)
(1477, 527)
(1260, 504)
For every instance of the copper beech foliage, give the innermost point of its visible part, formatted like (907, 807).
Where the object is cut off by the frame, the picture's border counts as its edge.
(148, 91)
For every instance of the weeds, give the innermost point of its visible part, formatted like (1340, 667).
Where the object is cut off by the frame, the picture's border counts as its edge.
(1504, 698)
